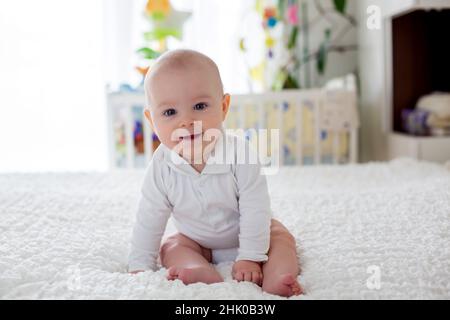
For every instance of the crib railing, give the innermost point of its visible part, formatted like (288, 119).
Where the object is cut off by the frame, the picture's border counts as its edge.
(316, 126)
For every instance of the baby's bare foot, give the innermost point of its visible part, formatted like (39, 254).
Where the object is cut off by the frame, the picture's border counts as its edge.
(193, 275)
(285, 285)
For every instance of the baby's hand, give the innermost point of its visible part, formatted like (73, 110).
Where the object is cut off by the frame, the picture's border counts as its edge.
(246, 270)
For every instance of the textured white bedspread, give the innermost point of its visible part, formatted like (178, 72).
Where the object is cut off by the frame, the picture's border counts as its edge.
(66, 236)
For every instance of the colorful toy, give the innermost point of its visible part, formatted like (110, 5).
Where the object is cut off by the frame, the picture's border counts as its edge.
(138, 137)
(164, 22)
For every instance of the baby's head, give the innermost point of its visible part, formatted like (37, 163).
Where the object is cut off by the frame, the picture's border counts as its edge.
(183, 87)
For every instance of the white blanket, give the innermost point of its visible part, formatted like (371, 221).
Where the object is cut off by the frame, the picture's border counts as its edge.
(363, 231)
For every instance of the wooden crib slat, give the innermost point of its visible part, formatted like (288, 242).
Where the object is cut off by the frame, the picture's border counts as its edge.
(262, 139)
(317, 129)
(353, 145)
(336, 142)
(242, 115)
(129, 141)
(112, 107)
(280, 120)
(261, 114)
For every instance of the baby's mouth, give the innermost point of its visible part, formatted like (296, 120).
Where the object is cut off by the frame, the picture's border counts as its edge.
(191, 137)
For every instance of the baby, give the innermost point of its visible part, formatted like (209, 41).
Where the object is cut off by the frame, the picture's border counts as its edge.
(221, 209)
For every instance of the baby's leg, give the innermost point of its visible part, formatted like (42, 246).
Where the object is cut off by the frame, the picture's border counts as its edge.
(281, 269)
(186, 260)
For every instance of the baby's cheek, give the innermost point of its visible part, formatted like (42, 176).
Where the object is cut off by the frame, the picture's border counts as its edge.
(167, 138)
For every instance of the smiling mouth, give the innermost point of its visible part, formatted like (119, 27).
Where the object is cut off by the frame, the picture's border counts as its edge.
(191, 137)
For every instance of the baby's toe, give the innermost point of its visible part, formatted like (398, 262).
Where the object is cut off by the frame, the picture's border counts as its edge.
(239, 276)
(172, 273)
(292, 282)
(297, 290)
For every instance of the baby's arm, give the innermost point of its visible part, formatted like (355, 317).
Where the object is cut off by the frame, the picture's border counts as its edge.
(255, 218)
(151, 219)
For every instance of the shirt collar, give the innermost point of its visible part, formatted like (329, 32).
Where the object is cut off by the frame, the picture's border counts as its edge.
(215, 163)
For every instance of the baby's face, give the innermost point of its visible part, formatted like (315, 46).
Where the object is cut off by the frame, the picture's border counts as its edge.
(182, 97)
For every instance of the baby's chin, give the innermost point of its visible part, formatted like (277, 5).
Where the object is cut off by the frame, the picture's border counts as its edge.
(195, 153)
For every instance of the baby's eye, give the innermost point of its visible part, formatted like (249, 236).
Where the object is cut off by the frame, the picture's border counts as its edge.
(169, 112)
(200, 106)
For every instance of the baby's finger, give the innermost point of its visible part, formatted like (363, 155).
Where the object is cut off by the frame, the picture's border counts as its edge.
(248, 276)
(261, 278)
(256, 277)
(238, 276)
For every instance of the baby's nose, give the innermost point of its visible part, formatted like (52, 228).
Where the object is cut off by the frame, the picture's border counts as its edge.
(186, 123)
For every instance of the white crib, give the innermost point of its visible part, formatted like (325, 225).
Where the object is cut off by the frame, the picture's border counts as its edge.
(317, 126)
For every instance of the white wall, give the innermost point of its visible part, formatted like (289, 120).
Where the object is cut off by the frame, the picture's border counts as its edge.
(52, 108)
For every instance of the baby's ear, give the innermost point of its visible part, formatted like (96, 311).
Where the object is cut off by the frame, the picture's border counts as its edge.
(149, 117)
(225, 105)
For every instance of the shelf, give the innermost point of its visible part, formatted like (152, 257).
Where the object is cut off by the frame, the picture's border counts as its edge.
(396, 8)
(430, 148)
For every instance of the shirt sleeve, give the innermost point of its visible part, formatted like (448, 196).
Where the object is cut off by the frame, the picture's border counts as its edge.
(152, 215)
(255, 211)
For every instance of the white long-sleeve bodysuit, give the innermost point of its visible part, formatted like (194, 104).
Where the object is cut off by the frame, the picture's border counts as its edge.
(225, 206)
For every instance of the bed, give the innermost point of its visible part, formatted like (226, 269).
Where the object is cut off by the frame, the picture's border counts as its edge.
(370, 231)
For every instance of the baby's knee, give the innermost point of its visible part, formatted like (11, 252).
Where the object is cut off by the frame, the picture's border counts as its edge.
(175, 241)
(169, 243)
(280, 233)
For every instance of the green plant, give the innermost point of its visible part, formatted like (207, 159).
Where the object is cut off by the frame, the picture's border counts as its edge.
(293, 16)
